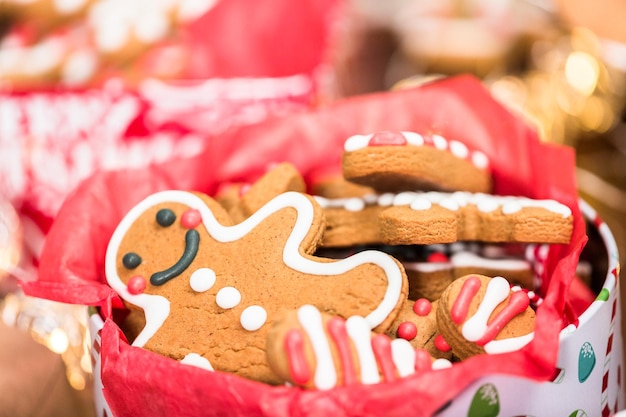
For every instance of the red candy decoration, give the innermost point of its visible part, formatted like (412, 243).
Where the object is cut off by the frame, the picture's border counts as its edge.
(136, 285)
(422, 307)
(387, 138)
(441, 344)
(437, 257)
(190, 219)
(407, 330)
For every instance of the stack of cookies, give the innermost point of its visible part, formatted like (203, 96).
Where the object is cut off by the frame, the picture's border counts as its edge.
(403, 261)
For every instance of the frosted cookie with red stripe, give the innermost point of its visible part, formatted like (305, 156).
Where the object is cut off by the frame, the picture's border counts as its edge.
(311, 349)
(435, 217)
(402, 161)
(478, 314)
(210, 290)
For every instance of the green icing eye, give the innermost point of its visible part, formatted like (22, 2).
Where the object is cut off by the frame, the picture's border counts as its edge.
(131, 260)
(165, 217)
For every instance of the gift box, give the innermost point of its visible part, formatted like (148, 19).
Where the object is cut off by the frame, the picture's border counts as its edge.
(571, 367)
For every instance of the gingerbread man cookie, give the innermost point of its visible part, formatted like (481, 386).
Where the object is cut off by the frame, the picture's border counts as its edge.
(210, 290)
(316, 350)
(478, 314)
(402, 161)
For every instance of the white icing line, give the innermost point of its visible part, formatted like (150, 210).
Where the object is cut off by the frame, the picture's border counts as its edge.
(508, 345)
(360, 333)
(497, 291)
(403, 356)
(311, 321)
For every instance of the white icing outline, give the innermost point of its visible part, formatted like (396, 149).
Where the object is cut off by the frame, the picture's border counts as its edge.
(157, 308)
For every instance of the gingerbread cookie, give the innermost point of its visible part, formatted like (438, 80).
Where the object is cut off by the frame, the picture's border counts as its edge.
(315, 350)
(430, 275)
(402, 161)
(478, 314)
(417, 323)
(434, 217)
(212, 290)
(242, 200)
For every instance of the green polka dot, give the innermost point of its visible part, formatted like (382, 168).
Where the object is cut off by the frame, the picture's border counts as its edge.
(486, 402)
(603, 296)
(586, 361)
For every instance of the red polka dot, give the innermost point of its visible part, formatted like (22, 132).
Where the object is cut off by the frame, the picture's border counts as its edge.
(441, 344)
(190, 219)
(422, 307)
(386, 138)
(136, 285)
(407, 331)
(437, 257)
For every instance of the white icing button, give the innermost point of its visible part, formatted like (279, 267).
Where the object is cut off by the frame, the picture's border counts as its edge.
(441, 363)
(440, 142)
(198, 361)
(253, 318)
(480, 159)
(413, 138)
(385, 199)
(202, 279)
(356, 142)
(458, 149)
(354, 204)
(228, 297)
(404, 198)
(421, 203)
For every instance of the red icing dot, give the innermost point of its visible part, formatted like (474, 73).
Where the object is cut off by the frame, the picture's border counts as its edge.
(407, 330)
(437, 257)
(387, 138)
(441, 344)
(190, 219)
(136, 285)
(422, 307)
